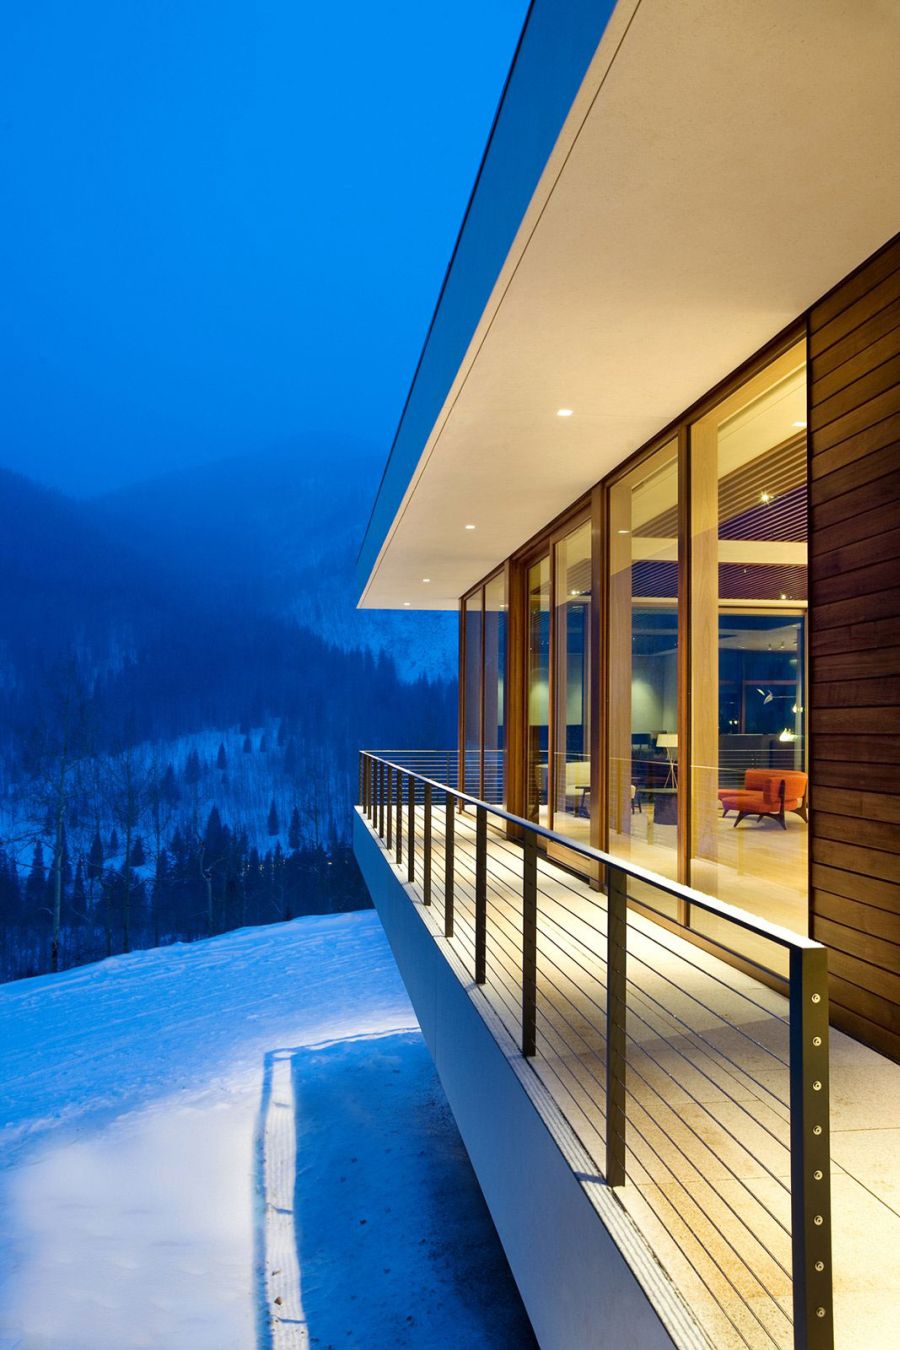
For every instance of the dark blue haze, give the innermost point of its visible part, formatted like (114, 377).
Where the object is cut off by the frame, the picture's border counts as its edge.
(224, 224)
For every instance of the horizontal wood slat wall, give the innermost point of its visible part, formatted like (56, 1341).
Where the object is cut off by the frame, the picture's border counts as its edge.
(854, 443)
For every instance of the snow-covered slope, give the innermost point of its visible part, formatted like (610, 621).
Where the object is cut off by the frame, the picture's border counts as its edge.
(144, 1134)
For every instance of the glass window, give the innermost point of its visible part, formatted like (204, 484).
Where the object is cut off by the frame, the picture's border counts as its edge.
(643, 666)
(572, 686)
(538, 692)
(495, 622)
(748, 618)
(472, 695)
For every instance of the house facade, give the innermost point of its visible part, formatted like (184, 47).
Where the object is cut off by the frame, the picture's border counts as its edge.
(652, 455)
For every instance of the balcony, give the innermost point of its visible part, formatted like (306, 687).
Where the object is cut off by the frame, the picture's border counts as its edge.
(688, 1099)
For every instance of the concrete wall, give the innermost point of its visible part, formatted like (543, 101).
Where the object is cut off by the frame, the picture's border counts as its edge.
(578, 1287)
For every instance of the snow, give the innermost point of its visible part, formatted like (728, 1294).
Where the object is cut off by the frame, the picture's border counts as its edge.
(191, 1132)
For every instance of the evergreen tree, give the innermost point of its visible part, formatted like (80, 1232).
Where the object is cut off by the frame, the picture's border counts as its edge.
(192, 768)
(138, 855)
(294, 830)
(248, 746)
(169, 787)
(215, 836)
(95, 859)
(10, 894)
(272, 823)
(113, 841)
(36, 883)
(221, 757)
(65, 862)
(79, 895)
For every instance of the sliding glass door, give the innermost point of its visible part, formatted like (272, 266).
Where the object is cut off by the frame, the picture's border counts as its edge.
(537, 692)
(483, 720)
(572, 714)
(644, 785)
(493, 782)
(749, 838)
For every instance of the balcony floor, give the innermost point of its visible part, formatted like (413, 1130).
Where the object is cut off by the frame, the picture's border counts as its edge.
(707, 1091)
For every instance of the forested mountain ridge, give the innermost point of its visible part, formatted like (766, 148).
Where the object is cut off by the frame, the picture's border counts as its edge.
(280, 531)
(162, 709)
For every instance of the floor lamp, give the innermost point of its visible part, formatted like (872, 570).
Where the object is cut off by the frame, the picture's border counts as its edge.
(668, 741)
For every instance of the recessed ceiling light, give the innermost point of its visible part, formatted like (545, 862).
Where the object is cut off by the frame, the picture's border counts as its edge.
(406, 604)
(564, 412)
(426, 580)
(801, 426)
(470, 527)
(623, 532)
(765, 498)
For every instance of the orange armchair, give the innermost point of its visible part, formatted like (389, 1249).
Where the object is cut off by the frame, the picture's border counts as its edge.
(767, 793)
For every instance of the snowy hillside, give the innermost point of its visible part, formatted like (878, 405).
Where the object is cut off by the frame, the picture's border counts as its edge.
(189, 1134)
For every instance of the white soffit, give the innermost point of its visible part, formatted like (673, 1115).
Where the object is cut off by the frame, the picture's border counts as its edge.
(724, 164)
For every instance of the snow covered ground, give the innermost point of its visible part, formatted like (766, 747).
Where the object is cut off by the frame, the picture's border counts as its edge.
(190, 1133)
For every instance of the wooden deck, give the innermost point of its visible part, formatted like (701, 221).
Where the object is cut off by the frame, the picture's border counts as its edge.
(708, 1164)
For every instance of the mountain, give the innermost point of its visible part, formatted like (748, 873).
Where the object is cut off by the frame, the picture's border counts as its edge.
(279, 531)
(184, 687)
(66, 584)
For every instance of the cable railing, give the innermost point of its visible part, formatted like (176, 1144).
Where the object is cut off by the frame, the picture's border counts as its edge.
(700, 1093)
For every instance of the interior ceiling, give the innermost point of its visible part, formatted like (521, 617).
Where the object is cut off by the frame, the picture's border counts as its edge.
(721, 169)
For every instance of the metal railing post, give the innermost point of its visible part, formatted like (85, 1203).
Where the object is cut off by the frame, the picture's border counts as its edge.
(810, 1151)
(381, 798)
(616, 991)
(373, 767)
(389, 807)
(362, 781)
(426, 848)
(480, 895)
(399, 821)
(410, 828)
(449, 844)
(529, 944)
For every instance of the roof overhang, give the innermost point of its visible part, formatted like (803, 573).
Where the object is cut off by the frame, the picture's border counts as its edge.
(720, 166)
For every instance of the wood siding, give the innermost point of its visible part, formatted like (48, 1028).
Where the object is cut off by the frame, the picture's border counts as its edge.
(854, 439)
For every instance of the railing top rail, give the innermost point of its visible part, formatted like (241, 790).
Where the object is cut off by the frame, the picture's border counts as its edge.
(783, 937)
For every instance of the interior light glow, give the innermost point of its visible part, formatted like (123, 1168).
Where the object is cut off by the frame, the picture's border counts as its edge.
(765, 498)
(623, 532)
(564, 412)
(426, 581)
(406, 604)
(787, 735)
(801, 426)
(470, 527)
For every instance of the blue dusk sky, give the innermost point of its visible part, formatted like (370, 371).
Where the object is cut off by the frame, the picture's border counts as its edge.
(224, 223)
